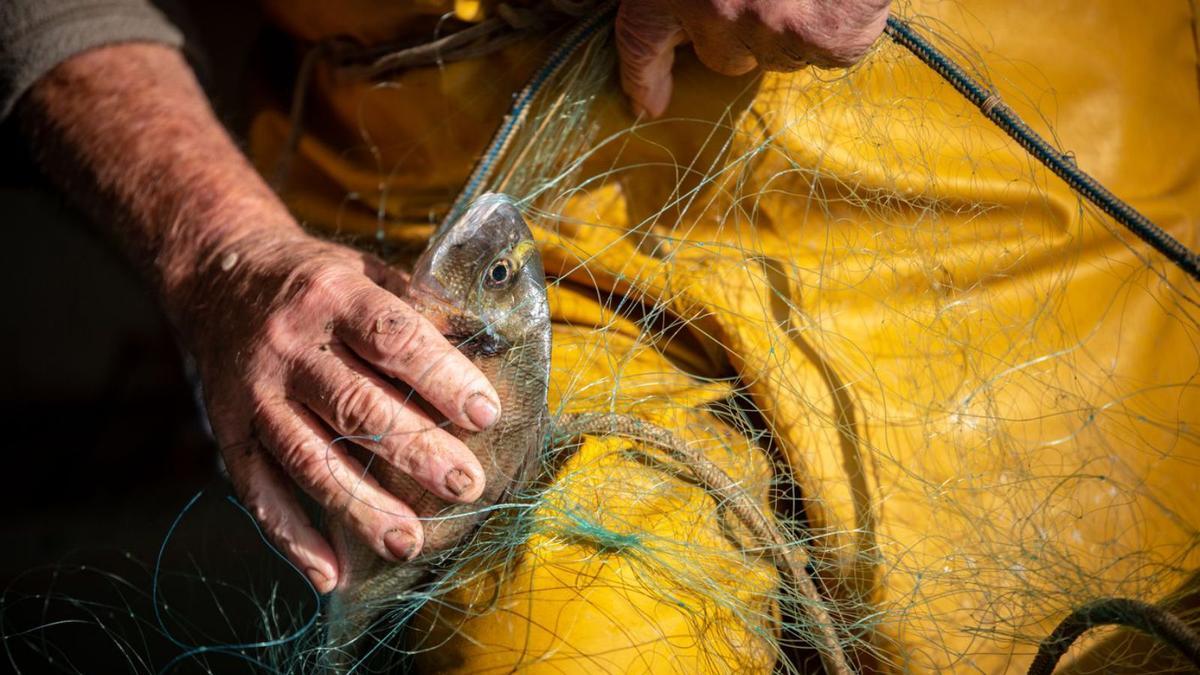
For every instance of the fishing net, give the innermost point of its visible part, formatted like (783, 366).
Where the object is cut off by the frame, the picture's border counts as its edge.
(965, 395)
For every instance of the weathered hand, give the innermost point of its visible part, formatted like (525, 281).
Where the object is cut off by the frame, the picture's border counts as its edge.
(733, 37)
(295, 339)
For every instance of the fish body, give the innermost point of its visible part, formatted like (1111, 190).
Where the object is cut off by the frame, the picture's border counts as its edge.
(481, 282)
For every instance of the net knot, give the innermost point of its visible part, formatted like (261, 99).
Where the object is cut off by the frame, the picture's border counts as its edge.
(991, 103)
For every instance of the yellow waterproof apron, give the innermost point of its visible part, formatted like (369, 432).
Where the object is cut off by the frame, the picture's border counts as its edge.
(988, 393)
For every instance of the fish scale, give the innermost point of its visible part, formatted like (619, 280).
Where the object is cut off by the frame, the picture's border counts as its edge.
(506, 334)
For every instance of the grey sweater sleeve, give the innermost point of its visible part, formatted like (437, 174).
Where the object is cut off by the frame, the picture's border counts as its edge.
(37, 35)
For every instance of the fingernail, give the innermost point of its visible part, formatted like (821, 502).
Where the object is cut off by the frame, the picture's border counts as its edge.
(657, 101)
(482, 410)
(459, 482)
(319, 579)
(400, 543)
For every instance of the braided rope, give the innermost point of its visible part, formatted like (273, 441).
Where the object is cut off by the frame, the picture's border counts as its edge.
(1136, 614)
(990, 104)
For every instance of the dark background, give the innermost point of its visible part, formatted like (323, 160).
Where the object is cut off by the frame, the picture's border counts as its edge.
(104, 443)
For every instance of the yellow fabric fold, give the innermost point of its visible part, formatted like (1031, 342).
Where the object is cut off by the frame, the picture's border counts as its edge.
(986, 390)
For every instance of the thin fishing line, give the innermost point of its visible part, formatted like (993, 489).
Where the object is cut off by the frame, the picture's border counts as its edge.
(520, 109)
(987, 101)
(234, 649)
(992, 107)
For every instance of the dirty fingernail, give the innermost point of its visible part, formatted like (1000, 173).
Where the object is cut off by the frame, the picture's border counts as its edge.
(400, 543)
(319, 579)
(482, 410)
(459, 482)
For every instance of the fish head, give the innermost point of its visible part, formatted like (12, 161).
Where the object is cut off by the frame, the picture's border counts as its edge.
(481, 282)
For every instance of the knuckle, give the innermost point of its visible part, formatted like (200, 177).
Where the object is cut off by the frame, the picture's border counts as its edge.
(326, 282)
(370, 521)
(258, 499)
(315, 287)
(396, 334)
(402, 450)
(301, 459)
(362, 519)
(257, 504)
(638, 30)
(279, 334)
(274, 520)
(306, 465)
(834, 35)
(359, 408)
(413, 450)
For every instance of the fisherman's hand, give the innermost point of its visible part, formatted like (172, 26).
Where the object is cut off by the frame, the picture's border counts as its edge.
(296, 340)
(733, 37)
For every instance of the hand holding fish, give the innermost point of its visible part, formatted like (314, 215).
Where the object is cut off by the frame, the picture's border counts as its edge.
(298, 341)
(732, 37)
(300, 345)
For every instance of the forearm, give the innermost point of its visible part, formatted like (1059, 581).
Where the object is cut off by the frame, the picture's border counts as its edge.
(127, 133)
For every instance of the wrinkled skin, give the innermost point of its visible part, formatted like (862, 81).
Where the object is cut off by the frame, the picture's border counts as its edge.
(306, 335)
(315, 329)
(295, 338)
(733, 37)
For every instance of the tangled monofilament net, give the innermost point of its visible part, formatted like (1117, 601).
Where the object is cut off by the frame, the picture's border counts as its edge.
(805, 293)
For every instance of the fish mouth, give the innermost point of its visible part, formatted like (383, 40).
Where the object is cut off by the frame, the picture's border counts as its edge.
(431, 300)
(466, 332)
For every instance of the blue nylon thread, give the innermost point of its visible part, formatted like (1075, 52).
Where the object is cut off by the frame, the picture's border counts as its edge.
(227, 650)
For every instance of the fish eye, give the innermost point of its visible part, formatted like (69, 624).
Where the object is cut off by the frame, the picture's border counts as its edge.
(499, 274)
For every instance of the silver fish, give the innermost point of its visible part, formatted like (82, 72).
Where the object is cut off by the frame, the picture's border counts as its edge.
(481, 282)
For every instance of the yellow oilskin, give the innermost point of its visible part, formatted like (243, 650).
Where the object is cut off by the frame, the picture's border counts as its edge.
(986, 391)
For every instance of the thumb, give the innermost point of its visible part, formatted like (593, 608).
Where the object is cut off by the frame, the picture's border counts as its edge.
(647, 34)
